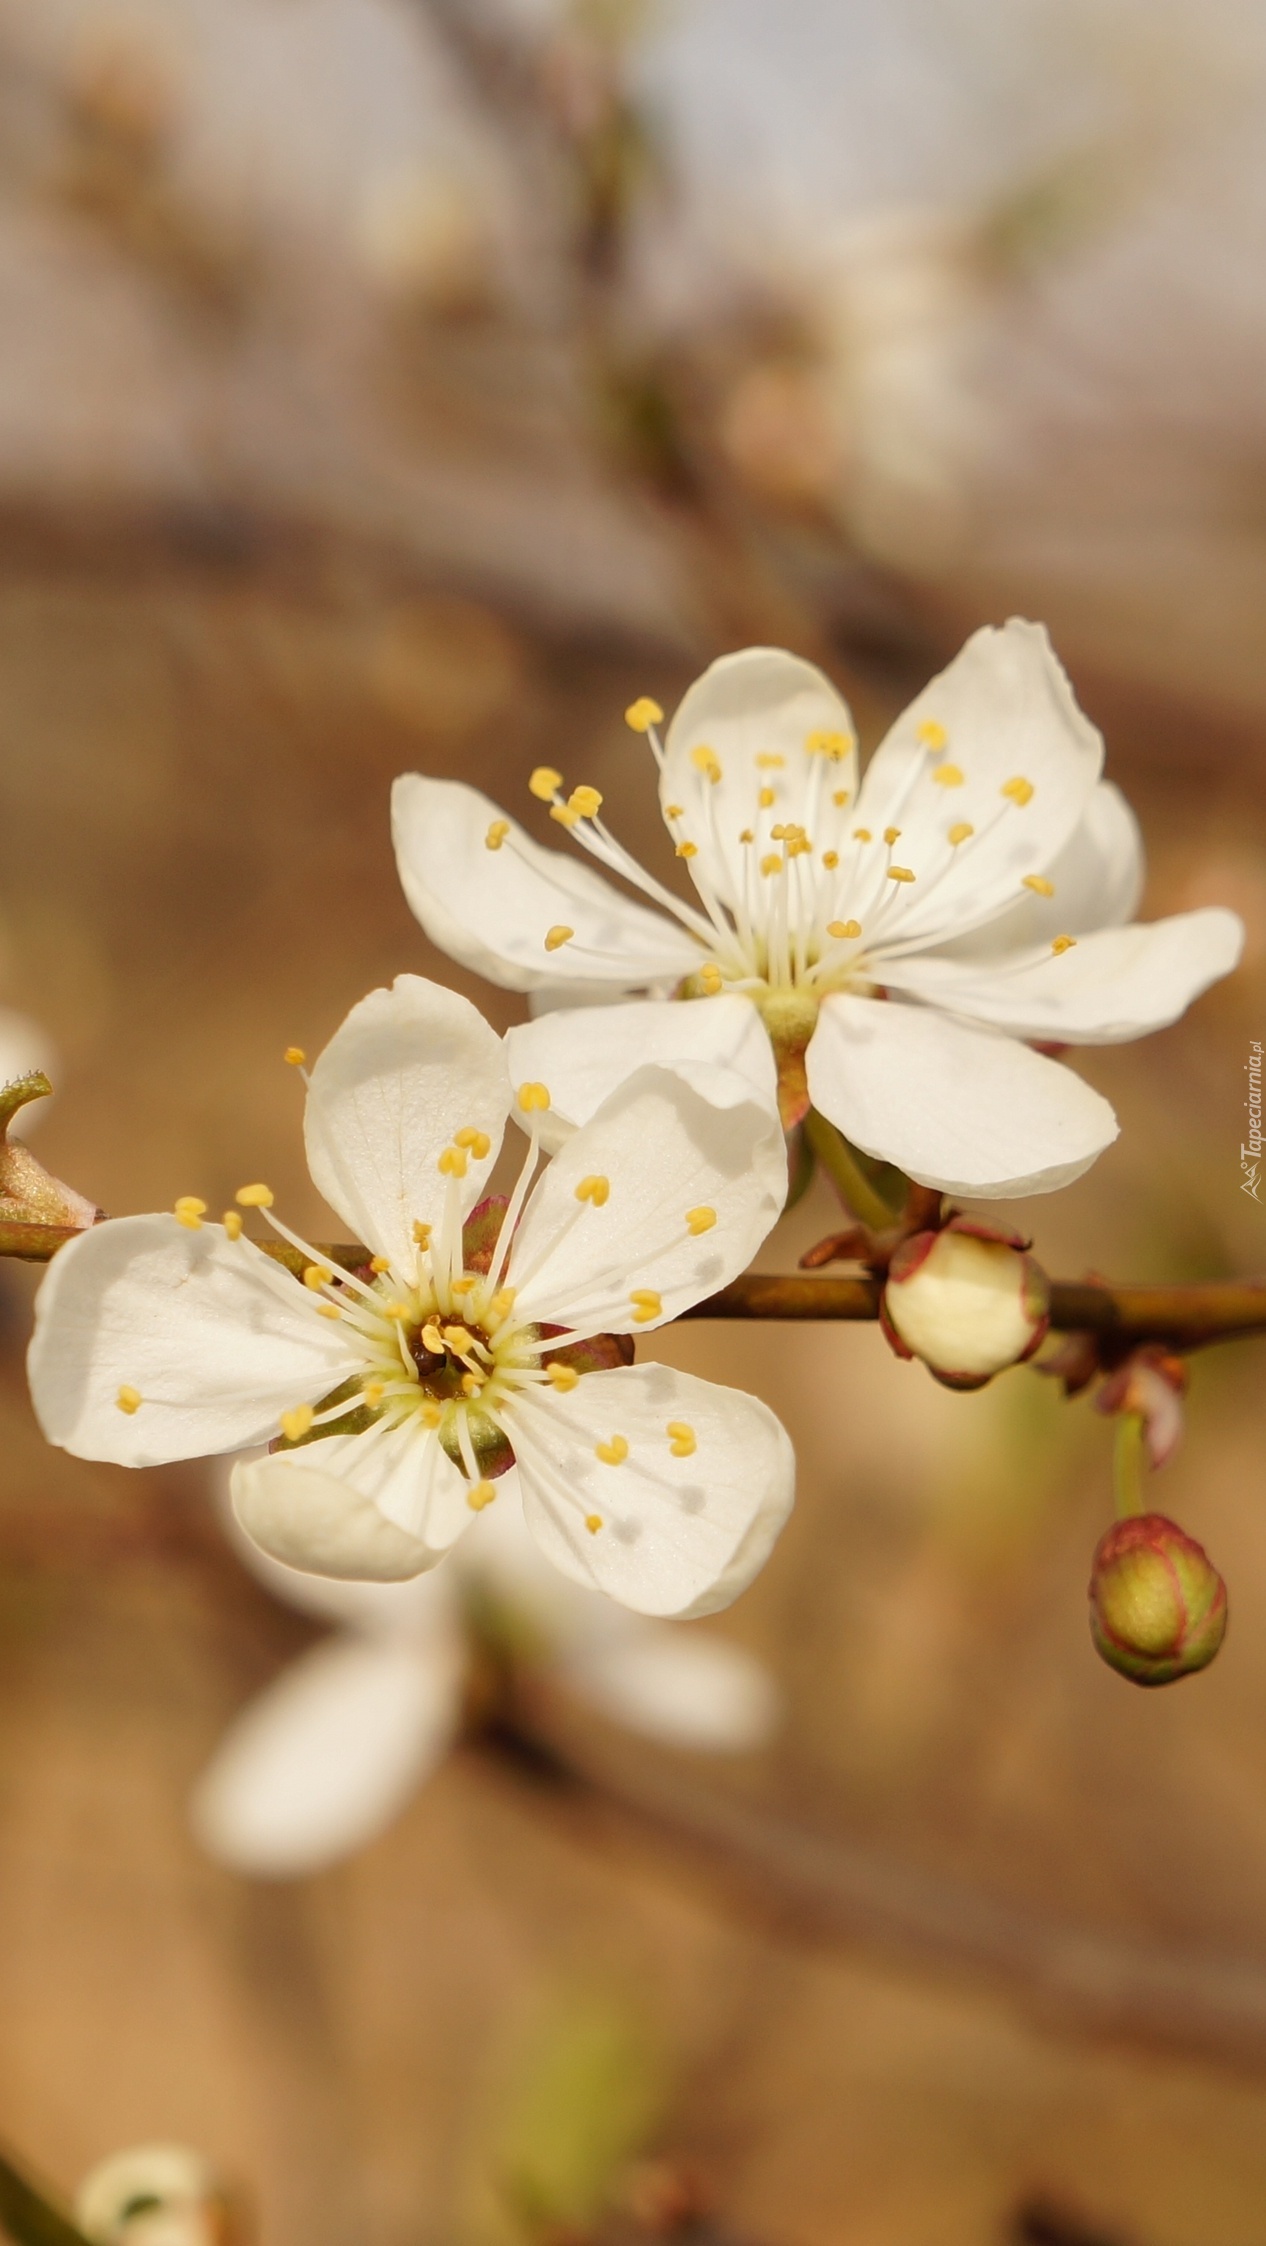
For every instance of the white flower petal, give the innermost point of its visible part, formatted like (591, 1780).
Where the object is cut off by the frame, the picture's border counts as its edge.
(1113, 984)
(324, 1759)
(376, 1508)
(493, 909)
(678, 1536)
(25, 1047)
(1006, 712)
(1097, 879)
(673, 1685)
(408, 1068)
(419, 1607)
(666, 1150)
(759, 704)
(954, 1106)
(583, 1058)
(216, 1340)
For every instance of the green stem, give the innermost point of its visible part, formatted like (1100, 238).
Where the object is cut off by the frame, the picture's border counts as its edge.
(28, 2217)
(840, 1162)
(1127, 1466)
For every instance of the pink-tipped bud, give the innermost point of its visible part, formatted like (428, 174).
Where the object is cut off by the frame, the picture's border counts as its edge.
(1157, 1603)
(968, 1300)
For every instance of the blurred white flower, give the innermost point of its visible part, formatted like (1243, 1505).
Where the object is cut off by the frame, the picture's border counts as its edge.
(328, 1754)
(151, 2195)
(974, 883)
(474, 1352)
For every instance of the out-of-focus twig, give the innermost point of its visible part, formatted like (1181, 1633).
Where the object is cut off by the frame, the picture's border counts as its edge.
(27, 2216)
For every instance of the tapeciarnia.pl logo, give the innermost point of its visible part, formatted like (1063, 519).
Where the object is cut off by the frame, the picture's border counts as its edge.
(1251, 1155)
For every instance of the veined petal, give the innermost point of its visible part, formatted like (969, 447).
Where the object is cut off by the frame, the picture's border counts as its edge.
(583, 1058)
(408, 1069)
(324, 1759)
(1097, 881)
(214, 1339)
(375, 1508)
(676, 1686)
(1001, 722)
(956, 1107)
(493, 909)
(661, 1532)
(693, 1187)
(1114, 984)
(760, 719)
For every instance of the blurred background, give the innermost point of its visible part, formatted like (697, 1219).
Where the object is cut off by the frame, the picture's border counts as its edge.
(410, 383)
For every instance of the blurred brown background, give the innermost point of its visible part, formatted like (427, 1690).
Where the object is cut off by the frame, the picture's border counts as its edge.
(390, 386)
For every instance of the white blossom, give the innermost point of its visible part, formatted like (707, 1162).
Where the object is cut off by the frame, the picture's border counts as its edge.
(976, 881)
(329, 1753)
(415, 1391)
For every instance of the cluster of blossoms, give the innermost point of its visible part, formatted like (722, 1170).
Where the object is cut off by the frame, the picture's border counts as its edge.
(892, 959)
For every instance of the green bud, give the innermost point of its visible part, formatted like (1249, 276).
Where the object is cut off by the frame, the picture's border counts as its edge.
(1157, 1603)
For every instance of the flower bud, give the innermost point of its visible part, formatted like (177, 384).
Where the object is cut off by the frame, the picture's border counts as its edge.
(969, 1300)
(1157, 1603)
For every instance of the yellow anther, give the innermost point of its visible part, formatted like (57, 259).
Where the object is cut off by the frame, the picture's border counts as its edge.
(772, 862)
(646, 1305)
(830, 859)
(502, 1303)
(710, 979)
(931, 736)
(397, 1310)
(295, 1424)
(840, 798)
(457, 1339)
(563, 1378)
(613, 1453)
(478, 1141)
(496, 834)
(842, 930)
(682, 1440)
(471, 1383)
(768, 762)
(545, 783)
(317, 1275)
(294, 1056)
(766, 799)
(533, 1098)
(643, 714)
(593, 1522)
(833, 745)
(432, 1339)
(453, 1162)
(482, 1494)
(380, 1264)
(900, 873)
(430, 1413)
(329, 1310)
(594, 1189)
(557, 936)
(585, 802)
(862, 834)
(961, 832)
(891, 835)
(254, 1197)
(421, 1235)
(781, 832)
(673, 811)
(747, 835)
(564, 814)
(1063, 943)
(373, 1392)
(465, 1285)
(701, 1220)
(128, 1400)
(1039, 884)
(232, 1222)
(687, 849)
(800, 847)
(190, 1212)
(947, 776)
(707, 761)
(1020, 790)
